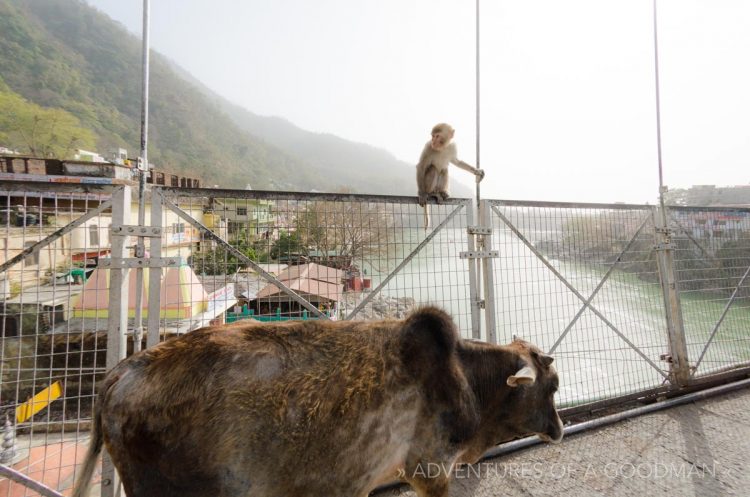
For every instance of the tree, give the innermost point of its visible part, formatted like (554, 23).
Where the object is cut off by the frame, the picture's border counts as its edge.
(350, 229)
(39, 131)
(734, 259)
(287, 244)
(219, 260)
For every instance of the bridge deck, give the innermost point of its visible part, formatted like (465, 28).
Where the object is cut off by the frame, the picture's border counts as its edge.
(698, 449)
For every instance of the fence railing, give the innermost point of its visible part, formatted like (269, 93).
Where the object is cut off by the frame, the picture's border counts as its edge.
(52, 239)
(582, 282)
(594, 284)
(712, 261)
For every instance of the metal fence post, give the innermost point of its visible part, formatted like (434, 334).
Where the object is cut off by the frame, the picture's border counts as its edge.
(474, 289)
(479, 255)
(118, 313)
(679, 366)
(155, 273)
(488, 272)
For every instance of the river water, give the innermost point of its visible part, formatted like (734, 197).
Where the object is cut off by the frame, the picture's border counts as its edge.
(614, 353)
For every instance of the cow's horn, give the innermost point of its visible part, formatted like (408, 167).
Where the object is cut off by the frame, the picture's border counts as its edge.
(525, 376)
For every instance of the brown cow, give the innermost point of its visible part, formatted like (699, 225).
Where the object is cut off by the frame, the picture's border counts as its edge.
(315, 408)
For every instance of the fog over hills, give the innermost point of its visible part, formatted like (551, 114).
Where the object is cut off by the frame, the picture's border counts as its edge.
(67, 56)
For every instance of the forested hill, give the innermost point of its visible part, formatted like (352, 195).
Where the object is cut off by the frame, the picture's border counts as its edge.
(66, 67)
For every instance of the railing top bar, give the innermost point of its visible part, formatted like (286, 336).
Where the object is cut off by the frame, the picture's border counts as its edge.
(567, 205)
(277, 195)
(694, 208)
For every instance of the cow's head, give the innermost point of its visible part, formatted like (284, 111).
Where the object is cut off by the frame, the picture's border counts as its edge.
(516, 385)
(533, 388)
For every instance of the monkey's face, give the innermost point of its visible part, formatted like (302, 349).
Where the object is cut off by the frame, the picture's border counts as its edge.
(442, 134)
(439, 140)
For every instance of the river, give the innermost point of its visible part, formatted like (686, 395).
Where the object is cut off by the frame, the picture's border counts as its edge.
(614, 353)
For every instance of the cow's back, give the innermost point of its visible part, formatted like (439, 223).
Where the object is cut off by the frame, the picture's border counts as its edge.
(250, 409)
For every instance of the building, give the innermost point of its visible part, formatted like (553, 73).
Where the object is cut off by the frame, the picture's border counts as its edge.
(88, 156)
(711, 195)
(253, 218)
(322, 286)
(38, 290)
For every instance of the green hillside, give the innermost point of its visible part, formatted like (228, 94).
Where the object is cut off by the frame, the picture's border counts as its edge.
(69, 67)
(40, 131)
(63, 54)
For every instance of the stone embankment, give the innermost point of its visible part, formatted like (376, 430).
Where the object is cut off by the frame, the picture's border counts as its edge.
(381, 307)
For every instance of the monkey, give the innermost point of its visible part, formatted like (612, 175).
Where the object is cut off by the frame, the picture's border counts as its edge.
(432, 170)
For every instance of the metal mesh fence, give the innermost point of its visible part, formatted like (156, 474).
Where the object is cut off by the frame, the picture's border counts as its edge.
(582, 281)
(275, 256)
(712, 259)
(52, 354)
(556, 258)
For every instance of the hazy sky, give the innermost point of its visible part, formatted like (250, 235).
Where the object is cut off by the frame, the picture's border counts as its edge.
(567, 86)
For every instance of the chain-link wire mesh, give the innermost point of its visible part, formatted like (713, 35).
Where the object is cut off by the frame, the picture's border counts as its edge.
(53, 352)
(277, 257)
(556, 258)
(712, 260)
(579, 280)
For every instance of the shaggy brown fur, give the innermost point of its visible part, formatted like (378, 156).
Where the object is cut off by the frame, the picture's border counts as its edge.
(313, 408)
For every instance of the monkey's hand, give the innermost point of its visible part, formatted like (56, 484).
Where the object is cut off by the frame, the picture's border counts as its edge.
(480, 175)
(422, 199)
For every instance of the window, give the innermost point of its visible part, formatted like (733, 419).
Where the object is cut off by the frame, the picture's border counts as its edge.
(8, 326)
(93, 235)
(178, 232)
(242, 211)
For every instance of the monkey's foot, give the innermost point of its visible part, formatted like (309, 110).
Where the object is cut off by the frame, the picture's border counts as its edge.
(442, 196)
(422, 200)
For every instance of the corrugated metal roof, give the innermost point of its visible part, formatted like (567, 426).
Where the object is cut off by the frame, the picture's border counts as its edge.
(312, 271)
(313, 279)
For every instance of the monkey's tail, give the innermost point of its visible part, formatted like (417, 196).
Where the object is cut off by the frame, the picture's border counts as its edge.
(427, 220)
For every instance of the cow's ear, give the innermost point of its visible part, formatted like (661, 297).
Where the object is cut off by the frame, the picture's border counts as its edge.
(524, 376)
